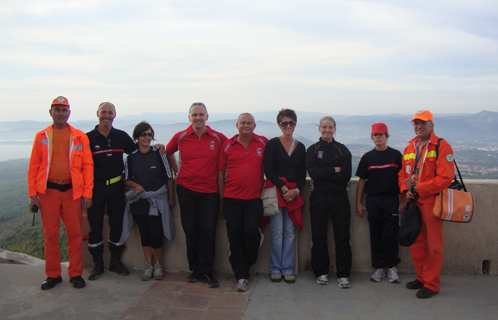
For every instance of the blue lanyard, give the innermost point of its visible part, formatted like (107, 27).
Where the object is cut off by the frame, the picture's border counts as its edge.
(415, 170)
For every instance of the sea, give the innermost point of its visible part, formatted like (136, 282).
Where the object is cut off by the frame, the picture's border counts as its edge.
(18, 151)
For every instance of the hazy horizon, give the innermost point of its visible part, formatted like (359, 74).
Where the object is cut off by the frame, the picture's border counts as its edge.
(482, 129)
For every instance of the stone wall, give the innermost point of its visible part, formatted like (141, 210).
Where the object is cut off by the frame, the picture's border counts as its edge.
(467, 246)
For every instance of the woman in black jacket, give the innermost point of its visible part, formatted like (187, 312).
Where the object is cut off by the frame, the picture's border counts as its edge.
(329, 165)
(285, 167)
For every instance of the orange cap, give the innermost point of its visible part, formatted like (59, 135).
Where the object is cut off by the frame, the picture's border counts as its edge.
(424, 115)
(379, 128)
(60, 100)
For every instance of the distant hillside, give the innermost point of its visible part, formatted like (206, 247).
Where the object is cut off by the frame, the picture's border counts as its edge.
(463, 130)
(13, 188)
(18, 235)
(16, 230)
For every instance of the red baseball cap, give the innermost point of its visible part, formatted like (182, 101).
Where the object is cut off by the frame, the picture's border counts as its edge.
(379, 128)
(424, 115)
(60, 100)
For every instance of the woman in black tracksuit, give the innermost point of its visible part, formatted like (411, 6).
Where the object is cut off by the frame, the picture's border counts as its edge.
(329, 165)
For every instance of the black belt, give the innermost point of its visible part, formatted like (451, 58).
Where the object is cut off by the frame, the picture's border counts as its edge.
(60, 187)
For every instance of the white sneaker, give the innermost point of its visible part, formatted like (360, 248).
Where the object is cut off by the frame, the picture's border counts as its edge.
(242, 285)
(147, 275)
(392, 275)
(378, 275)
(344, 283)
(323, 279)
(158, 271)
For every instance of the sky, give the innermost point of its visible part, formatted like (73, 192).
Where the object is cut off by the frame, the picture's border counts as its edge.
(335, 56)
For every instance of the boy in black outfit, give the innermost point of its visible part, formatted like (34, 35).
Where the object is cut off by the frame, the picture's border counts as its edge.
(378, 173)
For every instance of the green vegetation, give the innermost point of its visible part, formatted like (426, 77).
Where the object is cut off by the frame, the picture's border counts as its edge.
(14, 170)
(14, 198)
(16, 232)
(13, 189)
(29, 240)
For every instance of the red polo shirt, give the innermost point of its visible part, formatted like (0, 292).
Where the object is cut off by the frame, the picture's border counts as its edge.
(198, 158)
(244, 168)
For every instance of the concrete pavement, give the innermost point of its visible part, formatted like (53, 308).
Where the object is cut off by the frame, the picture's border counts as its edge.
(461, 297)
(117, 297)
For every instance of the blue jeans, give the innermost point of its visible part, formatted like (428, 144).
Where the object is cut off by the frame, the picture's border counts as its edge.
(282, 246)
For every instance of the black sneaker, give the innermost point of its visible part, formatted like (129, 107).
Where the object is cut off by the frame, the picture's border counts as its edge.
(415, 284)
(425, 293)
(209, 280)
(193, 277)
(49, 283)
(118, 267)
(78, 282)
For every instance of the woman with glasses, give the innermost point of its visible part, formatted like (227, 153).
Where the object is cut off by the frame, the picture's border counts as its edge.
(329, 166)
(285, 168)
(149, 177)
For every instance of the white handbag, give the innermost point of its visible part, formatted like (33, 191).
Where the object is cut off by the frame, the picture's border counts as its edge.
(270, 201)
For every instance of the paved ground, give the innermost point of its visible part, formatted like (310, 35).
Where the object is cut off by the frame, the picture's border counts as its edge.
(116, 297)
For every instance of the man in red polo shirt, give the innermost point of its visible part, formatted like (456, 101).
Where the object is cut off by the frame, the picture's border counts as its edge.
(197, 190)
(240, 182)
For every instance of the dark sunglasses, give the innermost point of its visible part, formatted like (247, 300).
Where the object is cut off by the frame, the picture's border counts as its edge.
(146, 134)
(197, 104)
(286, 123)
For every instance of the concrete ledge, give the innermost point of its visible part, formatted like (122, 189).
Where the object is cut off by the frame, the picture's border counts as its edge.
(466, 245)
(19, 258)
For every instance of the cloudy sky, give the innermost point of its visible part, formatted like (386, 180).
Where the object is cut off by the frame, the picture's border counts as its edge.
(335, 56)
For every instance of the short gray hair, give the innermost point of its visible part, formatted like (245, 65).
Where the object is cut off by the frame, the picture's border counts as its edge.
(246, 114)
(197, 104)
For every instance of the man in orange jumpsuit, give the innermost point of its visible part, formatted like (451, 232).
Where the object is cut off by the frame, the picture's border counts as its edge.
(427, 170)
(60, 182)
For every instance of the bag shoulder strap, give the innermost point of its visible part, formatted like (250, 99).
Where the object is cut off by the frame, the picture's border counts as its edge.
(437, 148)
(460, 176)
(291, 149)
(454, 161)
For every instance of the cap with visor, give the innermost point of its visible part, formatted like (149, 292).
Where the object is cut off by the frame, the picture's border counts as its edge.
(379, 128)
(60, 100)
(423, 115)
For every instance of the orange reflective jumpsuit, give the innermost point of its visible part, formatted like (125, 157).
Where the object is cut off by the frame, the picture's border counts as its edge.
(434, 175)
(56, 204)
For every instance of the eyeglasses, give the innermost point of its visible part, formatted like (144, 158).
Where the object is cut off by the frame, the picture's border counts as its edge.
(286, 123)
(146, 134)
(197, 104)
(421, 123)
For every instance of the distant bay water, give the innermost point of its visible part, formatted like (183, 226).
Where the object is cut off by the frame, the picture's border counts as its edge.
(10, 151)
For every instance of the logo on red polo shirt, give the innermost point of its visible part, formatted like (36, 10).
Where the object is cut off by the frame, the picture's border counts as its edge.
(320, 154)
(259, 151)
(212, 145)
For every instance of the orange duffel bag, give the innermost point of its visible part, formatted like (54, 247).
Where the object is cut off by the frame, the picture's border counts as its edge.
(453, 204)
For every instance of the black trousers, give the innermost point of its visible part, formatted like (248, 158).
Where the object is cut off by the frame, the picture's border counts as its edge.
(243, 218)
(112, 197)
(199, 215)
(383, 219)
(338, 208)
(151, 230)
